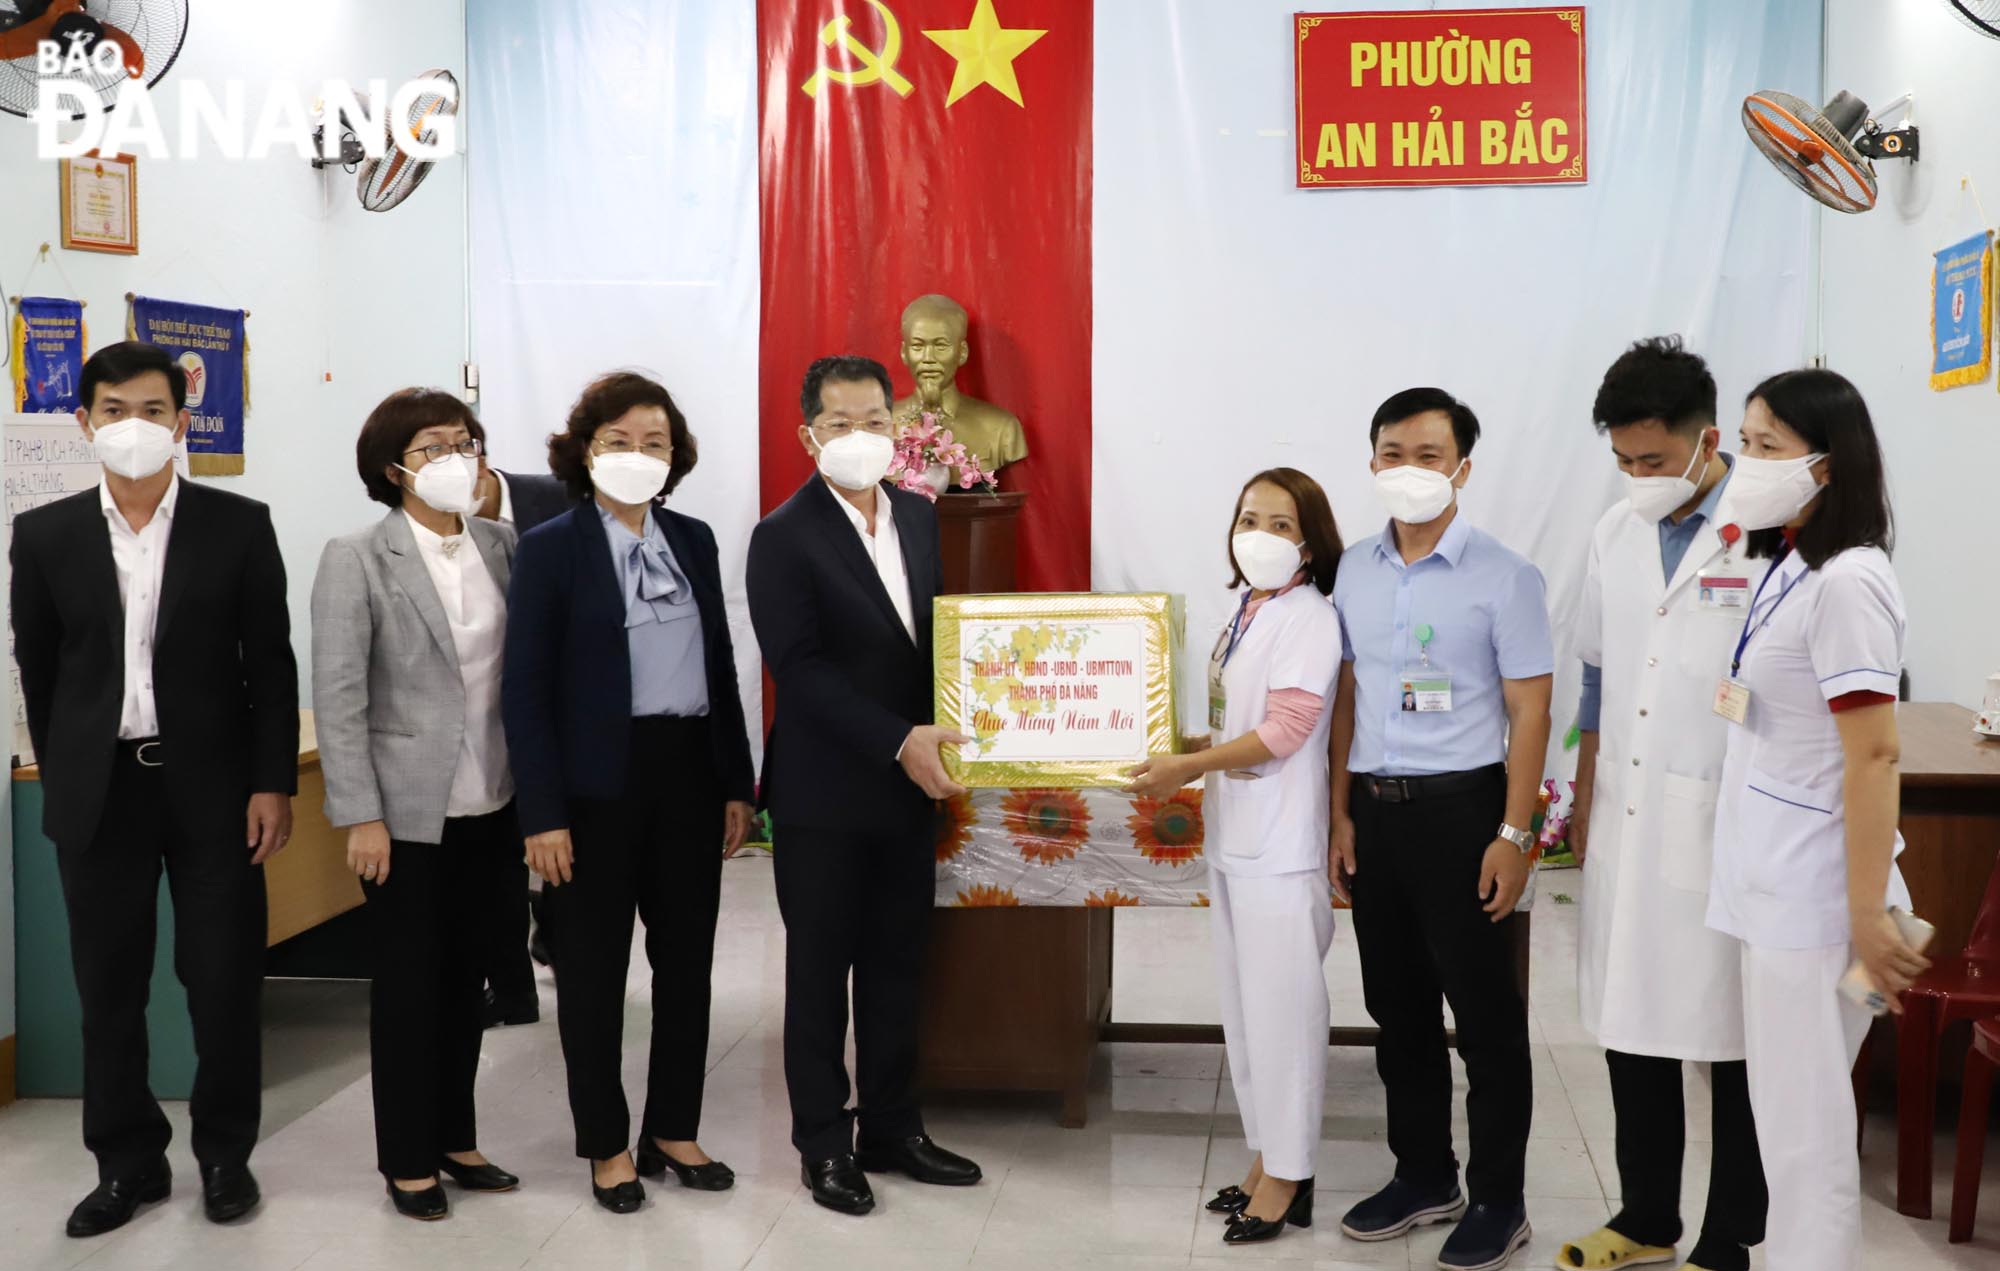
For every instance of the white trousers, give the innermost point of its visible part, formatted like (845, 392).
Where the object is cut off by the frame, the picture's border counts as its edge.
(1802, 1038)
(1271, 938)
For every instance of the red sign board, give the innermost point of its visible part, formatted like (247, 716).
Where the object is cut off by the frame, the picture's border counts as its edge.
(1440, 97)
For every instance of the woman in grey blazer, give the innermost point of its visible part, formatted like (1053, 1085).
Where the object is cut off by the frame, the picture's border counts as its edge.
(409, 622)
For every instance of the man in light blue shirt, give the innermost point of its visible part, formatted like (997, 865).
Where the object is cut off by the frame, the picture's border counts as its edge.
(1440, 723)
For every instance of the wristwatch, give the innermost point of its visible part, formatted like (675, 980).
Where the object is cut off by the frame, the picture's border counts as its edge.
(1519, 838)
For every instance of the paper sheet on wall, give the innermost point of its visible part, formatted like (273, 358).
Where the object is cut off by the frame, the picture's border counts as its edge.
(42, 458)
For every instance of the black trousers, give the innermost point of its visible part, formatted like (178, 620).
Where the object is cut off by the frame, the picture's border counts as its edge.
(858, 902)
(506, 966)
(110, 888)
(1425, 940)
(424, 1008)
(1646, 1095)
(655, 850)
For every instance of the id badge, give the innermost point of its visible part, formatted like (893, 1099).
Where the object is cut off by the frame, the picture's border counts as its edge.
(1723, 593)
(1426, 690)
(1218, 697)
(1732, 699)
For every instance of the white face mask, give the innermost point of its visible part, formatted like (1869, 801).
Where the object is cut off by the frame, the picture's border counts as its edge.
(1653, 498)
(448, 485)
(630, 479)
(1413, 495)
(1763, 494)
(133, 448)
(1266, 561)
(856, 461)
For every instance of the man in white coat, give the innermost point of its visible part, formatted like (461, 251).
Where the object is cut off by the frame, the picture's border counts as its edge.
(1664, 601)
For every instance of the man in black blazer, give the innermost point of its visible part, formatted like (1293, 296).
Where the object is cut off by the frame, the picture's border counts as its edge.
(523, 500)
(841, 579)
(163, 700)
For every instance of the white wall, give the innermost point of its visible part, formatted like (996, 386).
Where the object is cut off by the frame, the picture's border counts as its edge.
(1243, 324)
(1943, 449)
(375, 301)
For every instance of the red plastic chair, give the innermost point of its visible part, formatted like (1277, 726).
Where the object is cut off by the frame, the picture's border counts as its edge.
(1981, 1063)
(1961, 987)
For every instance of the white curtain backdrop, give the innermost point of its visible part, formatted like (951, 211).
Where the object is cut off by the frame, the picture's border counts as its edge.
(1242, 324)
(1239, 323)
(614, 224)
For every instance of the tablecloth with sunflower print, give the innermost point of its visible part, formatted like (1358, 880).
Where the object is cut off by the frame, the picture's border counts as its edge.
(1094, 847)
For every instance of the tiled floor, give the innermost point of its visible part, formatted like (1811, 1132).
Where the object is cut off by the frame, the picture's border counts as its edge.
(1122, 1195)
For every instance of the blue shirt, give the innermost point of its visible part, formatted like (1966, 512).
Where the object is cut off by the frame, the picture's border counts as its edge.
(1489, 619)
(662, 623)
(1674, 543)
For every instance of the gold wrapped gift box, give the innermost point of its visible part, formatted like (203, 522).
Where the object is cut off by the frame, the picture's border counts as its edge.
(1061, 691)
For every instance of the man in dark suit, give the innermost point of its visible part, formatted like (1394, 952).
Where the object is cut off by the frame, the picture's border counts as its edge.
(522, 500)
(163, 701)
(841, 580)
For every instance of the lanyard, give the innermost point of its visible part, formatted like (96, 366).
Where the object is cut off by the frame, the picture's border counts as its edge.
(1237, 628)
(1743, 642)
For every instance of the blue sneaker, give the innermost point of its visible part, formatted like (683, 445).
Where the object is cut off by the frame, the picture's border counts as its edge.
(1398, 1207)
(1486, 1238)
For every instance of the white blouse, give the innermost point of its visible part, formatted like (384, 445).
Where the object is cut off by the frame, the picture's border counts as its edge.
(477, 614)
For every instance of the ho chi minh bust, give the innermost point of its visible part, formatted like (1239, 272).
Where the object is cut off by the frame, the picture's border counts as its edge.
(934, 348)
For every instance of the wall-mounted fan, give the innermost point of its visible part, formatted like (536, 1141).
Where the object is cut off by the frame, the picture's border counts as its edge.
(385, 182)
(1982, 16)
(1827, 152)
(147, 33)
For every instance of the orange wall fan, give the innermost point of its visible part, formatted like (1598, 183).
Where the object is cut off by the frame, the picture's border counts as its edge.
(147, 35)
(1827, 153)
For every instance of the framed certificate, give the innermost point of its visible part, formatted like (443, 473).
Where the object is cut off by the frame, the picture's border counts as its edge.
(1057, 691)
(100, 204)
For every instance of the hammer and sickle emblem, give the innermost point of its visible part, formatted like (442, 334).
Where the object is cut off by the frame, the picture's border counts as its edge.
(876, 67)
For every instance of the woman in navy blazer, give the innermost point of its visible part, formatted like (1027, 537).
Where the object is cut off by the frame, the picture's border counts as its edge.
(631, 768)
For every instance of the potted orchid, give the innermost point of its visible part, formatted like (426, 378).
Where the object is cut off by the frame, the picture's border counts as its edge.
(928, 457)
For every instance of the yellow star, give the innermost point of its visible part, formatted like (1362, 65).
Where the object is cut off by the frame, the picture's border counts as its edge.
(985, 51)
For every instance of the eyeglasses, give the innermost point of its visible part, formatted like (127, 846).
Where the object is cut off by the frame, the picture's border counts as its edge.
(470, 448)
(661, 450)
(838, 428)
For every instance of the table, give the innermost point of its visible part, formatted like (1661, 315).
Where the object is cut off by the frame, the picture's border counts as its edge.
(1951, 816)
(305, 884)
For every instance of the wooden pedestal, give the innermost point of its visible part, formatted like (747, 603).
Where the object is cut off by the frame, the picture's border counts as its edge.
(1014, 998)
(978, 537)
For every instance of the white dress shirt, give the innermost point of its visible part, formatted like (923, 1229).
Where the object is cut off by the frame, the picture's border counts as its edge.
(477, 614)
(885, 549)
(140, 559)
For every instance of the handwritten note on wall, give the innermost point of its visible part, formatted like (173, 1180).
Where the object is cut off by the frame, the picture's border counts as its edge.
(42, 458)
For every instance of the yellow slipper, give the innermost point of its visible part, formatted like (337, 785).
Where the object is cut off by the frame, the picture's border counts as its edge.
(1606, 1250)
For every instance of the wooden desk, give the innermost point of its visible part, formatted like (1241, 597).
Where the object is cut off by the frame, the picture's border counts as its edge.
(1951, 816)
(308, 882)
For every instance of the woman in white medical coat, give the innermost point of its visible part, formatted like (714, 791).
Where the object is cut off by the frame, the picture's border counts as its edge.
(1270, 698)
(1806, 840)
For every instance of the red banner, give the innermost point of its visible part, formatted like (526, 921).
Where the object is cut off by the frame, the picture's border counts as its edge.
(911, 147)
(1440, 97)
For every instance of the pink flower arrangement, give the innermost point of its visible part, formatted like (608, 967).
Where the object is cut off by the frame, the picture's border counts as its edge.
(927, 443)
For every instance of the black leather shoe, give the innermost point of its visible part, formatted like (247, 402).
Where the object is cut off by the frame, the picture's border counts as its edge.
(114, 1201)
(499, 1011)
(622, 1198)
(478, 1178)
(1247, 1230)
(838, 1184)
(653, 1163)
(922, 1160)
(427, 1205)
(228, 1192)
(1230, 1200)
